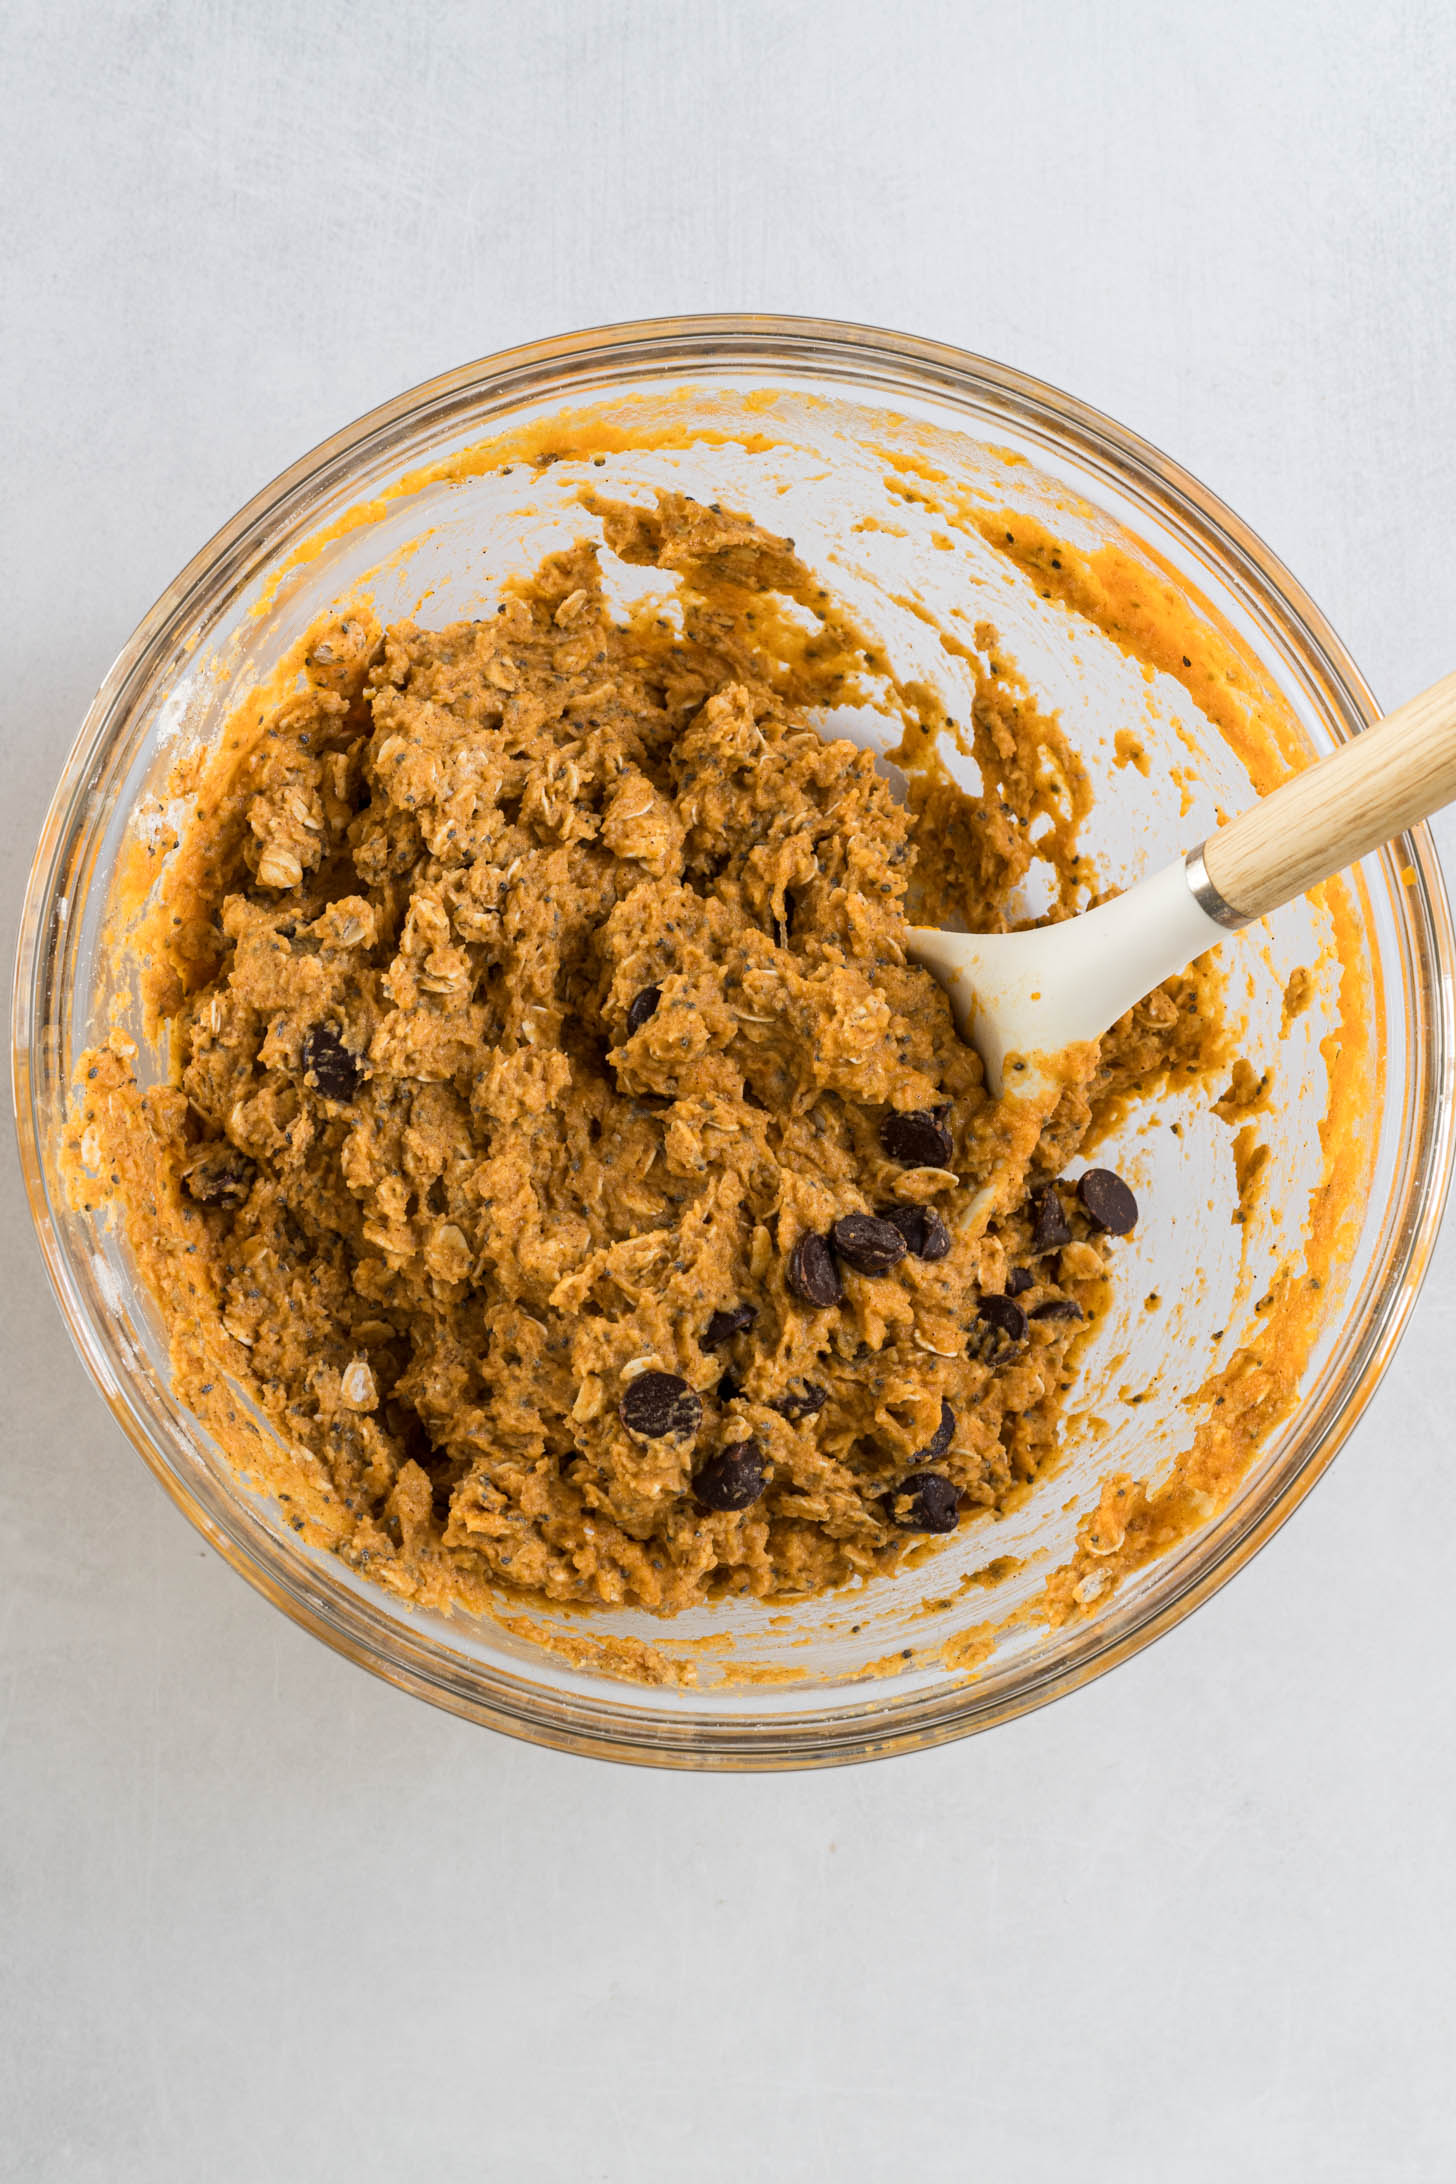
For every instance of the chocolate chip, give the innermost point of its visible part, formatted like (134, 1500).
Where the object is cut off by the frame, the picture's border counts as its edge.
(660, 1405)
(917, 1139)
(1059, 1308)
(941, 1439)
(730, 1387)
(732, 1479)
(999, 1331)
(926, 1235)
(329, 1066)
(1108, 1200)
(812, 1273)
(1049, 1229)
(222, 1177)
(925, 1502)
(1007, 1318)
(641, 1006)
(1019, 1278)
(866, 1243)
(723, 1326)
(805, 1401)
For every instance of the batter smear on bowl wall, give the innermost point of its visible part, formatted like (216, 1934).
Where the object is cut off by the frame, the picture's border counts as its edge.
(561, 1154)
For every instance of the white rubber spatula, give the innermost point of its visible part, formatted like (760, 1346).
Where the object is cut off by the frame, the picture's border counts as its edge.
(1020, 996)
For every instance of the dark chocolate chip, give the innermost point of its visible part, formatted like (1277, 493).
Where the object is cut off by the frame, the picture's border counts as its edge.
(925, 1502)
(1108, 1200)
(869, 1245)
(1049, 1229)
(1019, 1278)
(812, 1273)
(926, 1235)
(732, 1479)
(222, 1177)
(723, 1326)
(661, 1405)
(805, 1401)
(999, 1331)
(641, 1006)
(730, 1387)
(917, 1139)
(1005, 1316)
(1059, 1308)
(941, 1439)
(329, 1066)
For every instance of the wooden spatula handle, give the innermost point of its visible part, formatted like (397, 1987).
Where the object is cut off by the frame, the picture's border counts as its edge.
(1330, 815)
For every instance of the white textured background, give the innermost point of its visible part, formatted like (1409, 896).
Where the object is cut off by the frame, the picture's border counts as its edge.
(264, 1919)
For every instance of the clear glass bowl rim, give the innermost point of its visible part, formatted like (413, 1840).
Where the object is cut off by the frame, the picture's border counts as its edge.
(873, 363)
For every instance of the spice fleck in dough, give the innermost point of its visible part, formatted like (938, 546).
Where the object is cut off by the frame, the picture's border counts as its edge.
(562, 1154)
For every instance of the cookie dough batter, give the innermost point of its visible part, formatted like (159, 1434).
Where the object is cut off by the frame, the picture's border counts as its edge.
(562, 1155)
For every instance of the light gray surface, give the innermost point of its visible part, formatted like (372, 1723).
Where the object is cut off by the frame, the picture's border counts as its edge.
(264, 1919)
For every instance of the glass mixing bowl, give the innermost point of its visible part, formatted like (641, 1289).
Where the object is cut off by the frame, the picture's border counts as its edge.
(823, 430)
